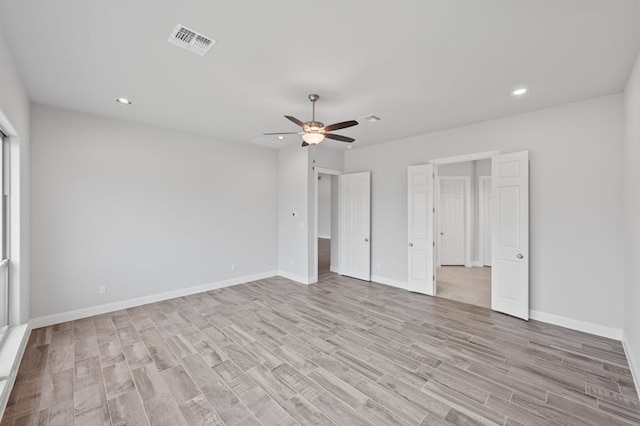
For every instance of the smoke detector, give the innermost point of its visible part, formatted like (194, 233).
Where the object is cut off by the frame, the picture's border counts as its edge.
(191, 40)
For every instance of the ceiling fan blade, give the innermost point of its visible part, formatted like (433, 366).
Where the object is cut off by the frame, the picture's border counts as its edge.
(304, 143)
(284, 133)
(338, 137)
(338, 126)
(295, 120)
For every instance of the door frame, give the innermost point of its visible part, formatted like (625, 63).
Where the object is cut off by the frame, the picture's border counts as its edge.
(467, 217)
(487, 155)
(314, 251)
(481, 219)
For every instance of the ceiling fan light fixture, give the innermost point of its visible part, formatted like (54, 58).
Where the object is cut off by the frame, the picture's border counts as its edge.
(313, 138)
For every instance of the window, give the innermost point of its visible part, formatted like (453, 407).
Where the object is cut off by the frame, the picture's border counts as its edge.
(4, 234)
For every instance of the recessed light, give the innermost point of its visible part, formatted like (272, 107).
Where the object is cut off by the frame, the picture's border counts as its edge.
(281, 137)
(349, 147)
(123, 101)
(519, 91)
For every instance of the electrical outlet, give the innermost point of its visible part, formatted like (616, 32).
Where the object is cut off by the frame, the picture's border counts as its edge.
(102, 289)
(233, 266)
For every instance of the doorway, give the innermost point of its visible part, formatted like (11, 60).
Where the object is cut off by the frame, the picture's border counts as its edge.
(326, 254)
(461, 273)
(325, 223)
(507, 206)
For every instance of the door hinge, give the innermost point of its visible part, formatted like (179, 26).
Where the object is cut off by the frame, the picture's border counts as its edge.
(434, 243)
(434, 209)
(434, 278)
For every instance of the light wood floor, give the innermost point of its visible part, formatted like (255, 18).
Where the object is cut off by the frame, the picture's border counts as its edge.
(467, 285)
(342, 352)
(324, 258)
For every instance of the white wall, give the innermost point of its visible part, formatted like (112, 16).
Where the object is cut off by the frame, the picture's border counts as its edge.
(632, 219)
(14, 120)
(142, 210)
(324, 206)
(297, 183)
(328, 158)
(576, 201)
(293, 193)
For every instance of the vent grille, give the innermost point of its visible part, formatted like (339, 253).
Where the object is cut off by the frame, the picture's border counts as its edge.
(370, 118)
(191, 40)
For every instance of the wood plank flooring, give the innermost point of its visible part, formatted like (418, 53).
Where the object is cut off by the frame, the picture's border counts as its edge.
(340, 352)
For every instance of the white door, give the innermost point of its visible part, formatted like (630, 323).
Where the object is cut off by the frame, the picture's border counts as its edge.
(420, 226)
(485, 220)
(452, 221)
(510, 263)
(355, 225)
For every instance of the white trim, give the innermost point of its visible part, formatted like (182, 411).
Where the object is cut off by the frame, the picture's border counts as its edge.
(130, 303)
(329, 171)
(297, 278)
(634, 371)
(467, 218)
(477, 264)
(481, 219)
(334, 269)
(389, 282)
(6, 126)
(314, 243)
(465, 158)
(574, 324)
(326, 237)
(10, 356)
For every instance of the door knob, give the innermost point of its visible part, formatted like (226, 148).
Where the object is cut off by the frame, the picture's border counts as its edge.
(442, 233)
(410, 244)
(520, 256)
(366, 240)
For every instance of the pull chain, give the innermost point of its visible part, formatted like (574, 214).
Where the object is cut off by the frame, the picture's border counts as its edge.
(313, 153)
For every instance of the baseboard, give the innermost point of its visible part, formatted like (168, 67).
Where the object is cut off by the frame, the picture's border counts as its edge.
(574, 324)
(587, 327)
(130, 303)
(325, 237)
(477, 264)
(389, 282)
(334, 269)
(297, 278)
(634, 371)
(11, 353)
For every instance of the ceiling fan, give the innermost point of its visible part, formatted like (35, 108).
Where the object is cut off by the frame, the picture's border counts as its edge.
(314, 131)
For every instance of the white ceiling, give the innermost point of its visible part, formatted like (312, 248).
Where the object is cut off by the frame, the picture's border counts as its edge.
(420, 65)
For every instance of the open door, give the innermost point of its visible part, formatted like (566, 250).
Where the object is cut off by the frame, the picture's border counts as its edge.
(355, 225)
(510, 248)
(420, 227)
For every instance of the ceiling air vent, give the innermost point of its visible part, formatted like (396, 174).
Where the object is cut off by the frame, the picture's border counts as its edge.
(191, 40)
(370, 118)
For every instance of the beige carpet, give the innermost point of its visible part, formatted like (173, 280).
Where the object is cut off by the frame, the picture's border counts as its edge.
(467, 285)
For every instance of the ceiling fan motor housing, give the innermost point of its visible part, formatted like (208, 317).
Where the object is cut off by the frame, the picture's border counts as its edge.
(313, 126)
